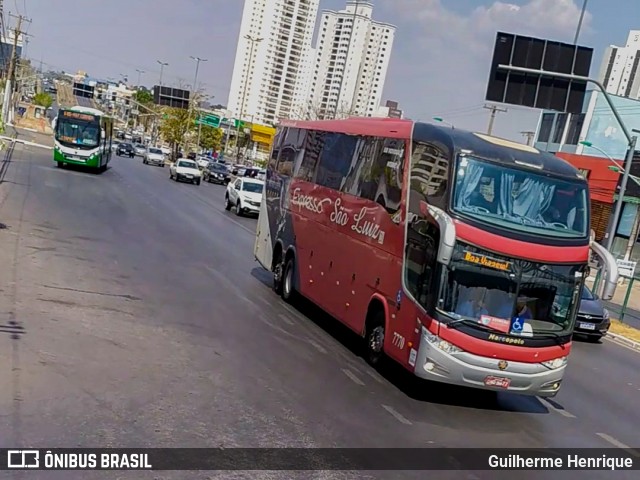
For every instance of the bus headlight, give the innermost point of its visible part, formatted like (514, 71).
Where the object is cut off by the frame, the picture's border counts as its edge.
(439, 343)
(555, 363)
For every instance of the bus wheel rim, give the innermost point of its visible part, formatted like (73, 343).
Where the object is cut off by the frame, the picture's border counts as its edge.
(376, 339)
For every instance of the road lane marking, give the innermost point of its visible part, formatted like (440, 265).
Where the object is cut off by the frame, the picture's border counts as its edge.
(561, 411)
(622, 344)
(352, 377)
(286, 319)
(397, 415)
(318, 347)
(375, 376)
(617, 443)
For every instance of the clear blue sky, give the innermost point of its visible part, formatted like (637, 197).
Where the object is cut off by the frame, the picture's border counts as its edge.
(440, 58)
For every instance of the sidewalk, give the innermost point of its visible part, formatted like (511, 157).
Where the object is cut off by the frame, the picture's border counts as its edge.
(632, 313)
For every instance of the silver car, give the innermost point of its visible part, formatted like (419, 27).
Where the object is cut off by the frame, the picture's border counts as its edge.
(154, 156)
(139, 150)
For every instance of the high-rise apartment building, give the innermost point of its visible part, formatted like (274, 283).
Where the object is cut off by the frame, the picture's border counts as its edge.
(352, 58)
(271, 70)
(619, 72)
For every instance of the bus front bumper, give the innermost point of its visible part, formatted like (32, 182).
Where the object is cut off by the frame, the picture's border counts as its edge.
(440, 361)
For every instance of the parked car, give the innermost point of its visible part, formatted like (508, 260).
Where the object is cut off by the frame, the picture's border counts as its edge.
(192, 155)
(593, 318)
(154, 156)
(185, 170)
(216, 173)
(125, 150)
(245, 194)
(139, 149)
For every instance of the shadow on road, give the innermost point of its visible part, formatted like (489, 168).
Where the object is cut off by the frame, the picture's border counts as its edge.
(83, 169)
(412, 386)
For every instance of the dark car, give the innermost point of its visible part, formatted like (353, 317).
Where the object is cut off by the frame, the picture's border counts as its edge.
(593, 319)
(216, 173)
(192, 156)
(250, 172)
(125, 150)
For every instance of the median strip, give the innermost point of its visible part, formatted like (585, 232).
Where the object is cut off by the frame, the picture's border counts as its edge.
(625, 331)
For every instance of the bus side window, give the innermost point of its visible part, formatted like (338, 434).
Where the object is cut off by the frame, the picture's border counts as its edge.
(313, 145)
(291, 151)
(337, 155)
(275, 149)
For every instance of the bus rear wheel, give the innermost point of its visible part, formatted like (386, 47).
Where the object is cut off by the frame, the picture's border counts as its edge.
(288, 291)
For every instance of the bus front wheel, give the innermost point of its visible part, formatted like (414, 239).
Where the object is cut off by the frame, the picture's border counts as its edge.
(375, 338)
(59, 164)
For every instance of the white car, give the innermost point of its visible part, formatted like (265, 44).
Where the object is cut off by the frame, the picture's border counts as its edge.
(154, 156)
(184, 169)
(139, 150)
(203, 162)
(245, 194)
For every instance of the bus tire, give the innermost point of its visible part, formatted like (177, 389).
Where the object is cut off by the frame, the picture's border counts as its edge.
(278, 269)
(59, 164)
(288, 291)
(374, 337)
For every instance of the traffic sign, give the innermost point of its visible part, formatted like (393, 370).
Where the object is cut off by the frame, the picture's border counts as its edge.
(626, 268)
(544, 91)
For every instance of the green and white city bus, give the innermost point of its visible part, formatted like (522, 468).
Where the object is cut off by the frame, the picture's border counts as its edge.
(83, 136)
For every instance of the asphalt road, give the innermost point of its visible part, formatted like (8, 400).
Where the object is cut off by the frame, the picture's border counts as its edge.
(134, 315)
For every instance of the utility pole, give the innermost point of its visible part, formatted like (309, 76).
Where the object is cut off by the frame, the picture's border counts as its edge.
(529, 136)
(494, 110)
(253, 41)
(14, 53)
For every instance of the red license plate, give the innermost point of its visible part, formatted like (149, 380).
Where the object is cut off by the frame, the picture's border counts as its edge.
(500, 382)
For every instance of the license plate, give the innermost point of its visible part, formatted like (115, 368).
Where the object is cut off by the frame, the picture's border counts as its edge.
(497, 382)
(588, 326)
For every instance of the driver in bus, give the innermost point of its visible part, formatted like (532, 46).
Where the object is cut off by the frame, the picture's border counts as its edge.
(474, 307)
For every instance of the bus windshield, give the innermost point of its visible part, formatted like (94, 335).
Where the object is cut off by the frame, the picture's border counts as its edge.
(482, 287)
(76, 133)
(520, 200)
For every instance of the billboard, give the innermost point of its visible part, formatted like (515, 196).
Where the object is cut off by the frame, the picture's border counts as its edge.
(171, 97)
(83, 90)
(535, 90)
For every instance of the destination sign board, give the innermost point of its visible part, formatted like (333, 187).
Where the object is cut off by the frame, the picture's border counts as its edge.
(79, 116)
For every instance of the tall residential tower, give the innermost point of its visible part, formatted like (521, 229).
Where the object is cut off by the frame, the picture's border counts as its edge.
(352, 58)
(270, 74)
(620, 68)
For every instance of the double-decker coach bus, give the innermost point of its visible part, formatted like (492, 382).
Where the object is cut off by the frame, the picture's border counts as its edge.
(459, 255)
(82, 136)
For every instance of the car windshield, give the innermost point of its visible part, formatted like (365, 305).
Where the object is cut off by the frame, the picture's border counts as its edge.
(516, 297)
(587, 294)
(214, 167)
(185, 164)
(252, 187)
(78, 133)
(521, 200)
(156, 151)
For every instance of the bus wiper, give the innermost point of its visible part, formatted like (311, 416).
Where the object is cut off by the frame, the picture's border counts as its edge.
(466, 321)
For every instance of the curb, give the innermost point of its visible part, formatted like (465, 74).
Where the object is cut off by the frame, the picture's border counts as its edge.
(624, 340)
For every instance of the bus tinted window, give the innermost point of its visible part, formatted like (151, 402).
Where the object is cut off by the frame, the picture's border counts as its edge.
(292, 148)
(377, 175)
(337, 156)
(429, 174)
(275, 150)
(314, 143)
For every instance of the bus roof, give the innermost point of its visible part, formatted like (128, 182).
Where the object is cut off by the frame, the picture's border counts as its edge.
(484, 146)
(518, 155)
(382, 127)
(87, 110)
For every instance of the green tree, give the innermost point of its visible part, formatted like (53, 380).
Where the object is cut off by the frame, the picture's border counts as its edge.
(145, 97)
(43, 99)
(210, 137)
(175, 125)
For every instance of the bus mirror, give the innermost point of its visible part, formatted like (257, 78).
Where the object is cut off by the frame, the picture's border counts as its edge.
(610, 267)
(447, 234)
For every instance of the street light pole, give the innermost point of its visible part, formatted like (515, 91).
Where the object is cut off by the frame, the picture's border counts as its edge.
(140, 72)
(195, 89)
(162, 65)
(253, 41)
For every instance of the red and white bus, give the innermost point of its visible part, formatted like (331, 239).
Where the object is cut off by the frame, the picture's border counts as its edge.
(458, 255)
